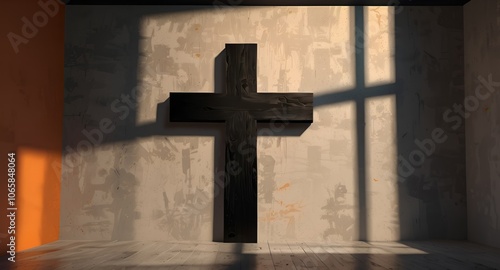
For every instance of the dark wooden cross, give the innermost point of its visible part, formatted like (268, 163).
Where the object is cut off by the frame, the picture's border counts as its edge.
(241, 107)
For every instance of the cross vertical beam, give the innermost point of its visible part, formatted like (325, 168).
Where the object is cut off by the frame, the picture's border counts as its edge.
(240, 191)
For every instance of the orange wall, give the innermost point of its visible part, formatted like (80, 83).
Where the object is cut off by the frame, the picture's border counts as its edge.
(31, 107)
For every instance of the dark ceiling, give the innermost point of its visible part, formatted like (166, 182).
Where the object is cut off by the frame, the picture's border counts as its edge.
(275, 2)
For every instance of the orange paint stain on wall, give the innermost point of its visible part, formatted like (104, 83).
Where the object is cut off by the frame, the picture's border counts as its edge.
(269, 216)
(284, 212)
(284, 187)
(291, 208)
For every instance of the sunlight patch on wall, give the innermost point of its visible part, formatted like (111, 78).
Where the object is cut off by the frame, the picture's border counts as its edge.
(320, 59)
(379, 46)
(37, 199)
(381, 178)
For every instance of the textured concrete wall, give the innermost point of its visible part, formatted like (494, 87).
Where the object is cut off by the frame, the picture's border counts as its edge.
(382, 77)
(482, 84)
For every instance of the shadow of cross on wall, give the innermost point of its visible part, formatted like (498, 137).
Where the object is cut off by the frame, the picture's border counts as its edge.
(240, 108)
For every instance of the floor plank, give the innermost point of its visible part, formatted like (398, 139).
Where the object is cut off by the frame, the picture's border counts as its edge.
(304, 260)
(281, 256)
(162, 259)
(326, 258)
(184, 252)
(262, 255)
(203, 257)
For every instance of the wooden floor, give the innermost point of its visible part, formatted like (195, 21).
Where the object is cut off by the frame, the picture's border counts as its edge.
(186, 255)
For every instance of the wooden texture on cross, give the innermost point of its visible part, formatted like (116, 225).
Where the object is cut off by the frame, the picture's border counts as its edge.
(240, 108)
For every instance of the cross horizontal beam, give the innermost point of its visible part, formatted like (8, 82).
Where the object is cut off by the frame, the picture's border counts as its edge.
(263, 107)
